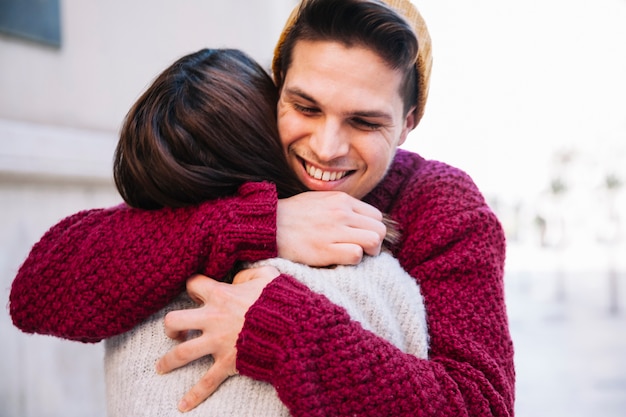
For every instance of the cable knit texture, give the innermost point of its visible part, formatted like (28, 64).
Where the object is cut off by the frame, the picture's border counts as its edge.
(377, 293)
(101, 272)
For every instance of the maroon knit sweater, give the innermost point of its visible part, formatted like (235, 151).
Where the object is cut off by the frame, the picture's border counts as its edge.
(100, 272)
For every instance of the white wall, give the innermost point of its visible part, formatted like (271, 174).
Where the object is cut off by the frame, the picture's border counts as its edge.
(43, 376)
(60, 111)
(112, 49)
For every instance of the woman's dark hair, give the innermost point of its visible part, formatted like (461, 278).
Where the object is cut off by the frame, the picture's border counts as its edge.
(365, 23)
(205, 126)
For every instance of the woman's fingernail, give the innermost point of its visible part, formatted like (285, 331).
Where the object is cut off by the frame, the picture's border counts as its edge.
(182, 406)
(158, 368)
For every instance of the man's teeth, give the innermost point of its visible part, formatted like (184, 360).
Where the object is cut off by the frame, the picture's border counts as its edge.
(318, 174)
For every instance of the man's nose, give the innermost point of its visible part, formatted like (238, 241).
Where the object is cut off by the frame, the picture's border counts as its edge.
(329, 140)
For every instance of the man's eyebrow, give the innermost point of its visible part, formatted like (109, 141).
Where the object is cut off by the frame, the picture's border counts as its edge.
(372, 114)
(294, 91)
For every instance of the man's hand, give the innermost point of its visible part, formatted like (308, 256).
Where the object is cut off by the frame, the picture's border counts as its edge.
(321, 228)
(220, 320)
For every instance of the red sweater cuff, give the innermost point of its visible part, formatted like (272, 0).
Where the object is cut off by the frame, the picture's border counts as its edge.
(261, 341)
(248, 230)
(255, 227)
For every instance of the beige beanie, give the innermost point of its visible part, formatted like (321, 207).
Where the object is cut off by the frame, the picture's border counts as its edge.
(423, 61)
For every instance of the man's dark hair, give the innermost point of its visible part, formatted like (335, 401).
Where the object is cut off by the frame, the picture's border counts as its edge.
(364, 23)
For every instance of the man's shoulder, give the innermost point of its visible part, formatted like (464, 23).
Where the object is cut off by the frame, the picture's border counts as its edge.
(418, 171)
(415, 181)
(433, 184)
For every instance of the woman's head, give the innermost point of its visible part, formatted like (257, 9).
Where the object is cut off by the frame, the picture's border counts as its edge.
(206, 125)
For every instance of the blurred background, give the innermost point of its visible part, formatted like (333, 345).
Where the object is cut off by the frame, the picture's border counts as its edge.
(528, 97)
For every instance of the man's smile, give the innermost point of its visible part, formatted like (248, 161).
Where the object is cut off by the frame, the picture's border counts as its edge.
(323, 175)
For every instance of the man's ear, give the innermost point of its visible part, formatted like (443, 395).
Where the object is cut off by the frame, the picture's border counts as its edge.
(410, 122)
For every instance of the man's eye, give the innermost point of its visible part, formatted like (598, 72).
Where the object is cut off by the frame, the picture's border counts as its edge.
(303, 109)
(363, 124)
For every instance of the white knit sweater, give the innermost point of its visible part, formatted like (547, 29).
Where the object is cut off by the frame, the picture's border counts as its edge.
(378, 293)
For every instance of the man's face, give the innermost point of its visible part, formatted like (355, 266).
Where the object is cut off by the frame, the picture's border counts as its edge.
(340, 116)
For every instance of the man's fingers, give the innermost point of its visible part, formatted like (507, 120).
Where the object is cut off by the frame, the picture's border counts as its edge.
(349, 253)
(178, 321)
(366, 227)
(214, 377)
(264, 272)
(183, 354)
(199, 286)
(367, 210)
(369, 234)
(244, 275)
(311, 226)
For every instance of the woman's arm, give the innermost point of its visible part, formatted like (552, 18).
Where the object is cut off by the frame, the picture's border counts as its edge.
(100, 272)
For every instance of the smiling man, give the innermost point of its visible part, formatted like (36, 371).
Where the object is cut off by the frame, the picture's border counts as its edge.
(353, 78)
(340, 116)
(353, 84)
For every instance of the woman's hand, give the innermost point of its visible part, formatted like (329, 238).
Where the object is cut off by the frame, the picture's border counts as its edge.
(220, 320)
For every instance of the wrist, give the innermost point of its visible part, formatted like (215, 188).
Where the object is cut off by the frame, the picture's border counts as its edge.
(267, 324)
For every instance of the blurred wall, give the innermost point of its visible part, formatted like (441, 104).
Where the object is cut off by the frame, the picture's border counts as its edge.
(60, 111)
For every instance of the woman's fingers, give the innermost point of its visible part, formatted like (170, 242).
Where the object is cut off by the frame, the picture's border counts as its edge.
(210, 381)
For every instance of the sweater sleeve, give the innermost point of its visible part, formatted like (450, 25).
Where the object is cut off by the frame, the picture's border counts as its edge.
(322, 363)
(100, 272)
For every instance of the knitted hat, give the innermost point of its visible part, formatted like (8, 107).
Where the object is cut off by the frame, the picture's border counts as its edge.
(423, 61)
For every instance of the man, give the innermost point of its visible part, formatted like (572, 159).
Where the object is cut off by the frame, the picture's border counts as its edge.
(348, 100)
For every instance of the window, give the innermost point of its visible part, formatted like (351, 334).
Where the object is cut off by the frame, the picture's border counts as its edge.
(35, 20)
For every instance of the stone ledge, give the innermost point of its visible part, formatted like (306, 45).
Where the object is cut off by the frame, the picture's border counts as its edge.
(37, 152)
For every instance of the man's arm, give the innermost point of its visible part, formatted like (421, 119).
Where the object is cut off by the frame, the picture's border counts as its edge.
(322, 363)
(100, 272)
